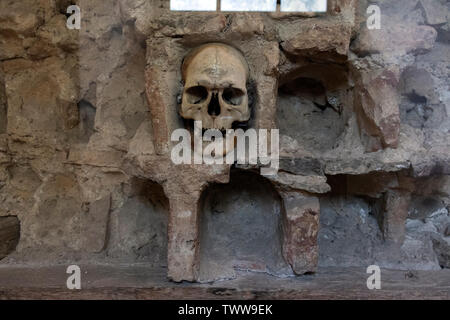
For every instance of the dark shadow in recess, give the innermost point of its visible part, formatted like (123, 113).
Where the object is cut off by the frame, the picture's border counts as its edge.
(240, 228)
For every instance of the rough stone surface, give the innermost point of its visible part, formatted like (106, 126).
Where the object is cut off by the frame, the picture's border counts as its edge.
(395, 39)
(435, 12)
(138, 229)
(350, 235)
(241, 229)
(86, 118)
(315, 37)
(376, 104)
(300, 227)
(9, 235)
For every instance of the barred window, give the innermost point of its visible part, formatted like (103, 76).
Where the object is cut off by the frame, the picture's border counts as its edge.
(250, 5)
(193, 5)
(303, 5)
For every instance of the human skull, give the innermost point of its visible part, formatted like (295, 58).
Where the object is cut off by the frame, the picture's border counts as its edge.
(215, 77)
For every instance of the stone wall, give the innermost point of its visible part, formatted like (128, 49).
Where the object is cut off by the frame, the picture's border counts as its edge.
(85, 117)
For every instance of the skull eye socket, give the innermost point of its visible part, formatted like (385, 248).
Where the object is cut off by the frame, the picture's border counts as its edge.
(233, 96)
(196, 94)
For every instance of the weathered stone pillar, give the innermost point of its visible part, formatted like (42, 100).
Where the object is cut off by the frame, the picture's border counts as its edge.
(184, 188)
(183, 239)
(162, 76)
(300, 228)
(395, 207)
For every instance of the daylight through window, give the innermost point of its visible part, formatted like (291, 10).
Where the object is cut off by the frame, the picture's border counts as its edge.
(250, 5)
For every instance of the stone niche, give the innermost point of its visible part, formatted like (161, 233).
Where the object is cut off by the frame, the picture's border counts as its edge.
(287, 221)
(241, 228)
(337, 112)
(275, 230)
(249, 225)
(312, 108)
(138, 229)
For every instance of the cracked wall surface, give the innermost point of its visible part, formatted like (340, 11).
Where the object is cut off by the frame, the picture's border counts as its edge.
(86, 116)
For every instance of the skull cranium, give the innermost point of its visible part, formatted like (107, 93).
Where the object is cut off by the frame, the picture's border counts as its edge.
(215, 77)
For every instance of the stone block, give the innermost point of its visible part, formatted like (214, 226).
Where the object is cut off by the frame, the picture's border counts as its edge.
(395, 212)
(300, 229)
(377, 106)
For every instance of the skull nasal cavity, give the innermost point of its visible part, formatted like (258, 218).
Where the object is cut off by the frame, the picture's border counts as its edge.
(214, 105)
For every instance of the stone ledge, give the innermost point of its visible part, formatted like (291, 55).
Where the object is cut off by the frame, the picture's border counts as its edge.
(141, 282)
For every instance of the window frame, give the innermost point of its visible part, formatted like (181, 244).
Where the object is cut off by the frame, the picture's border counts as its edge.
(278, 9)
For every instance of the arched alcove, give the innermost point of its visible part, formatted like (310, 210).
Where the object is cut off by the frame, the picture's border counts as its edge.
(312, 106)
(240, 229)
(138, 228)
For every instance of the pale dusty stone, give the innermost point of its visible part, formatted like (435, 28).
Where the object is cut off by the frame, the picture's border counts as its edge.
(97, 158)
(98, 18)
(313, 184)
(94, 225)
(55, 220)
(395, 38)
(248, 24)
(377, 106)
(418, 82)
(24, 17)
(55, 32)
(435, 12)
(395, 212)
(141, 11)
(314, 36)
(142, 142)
(41, 98)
